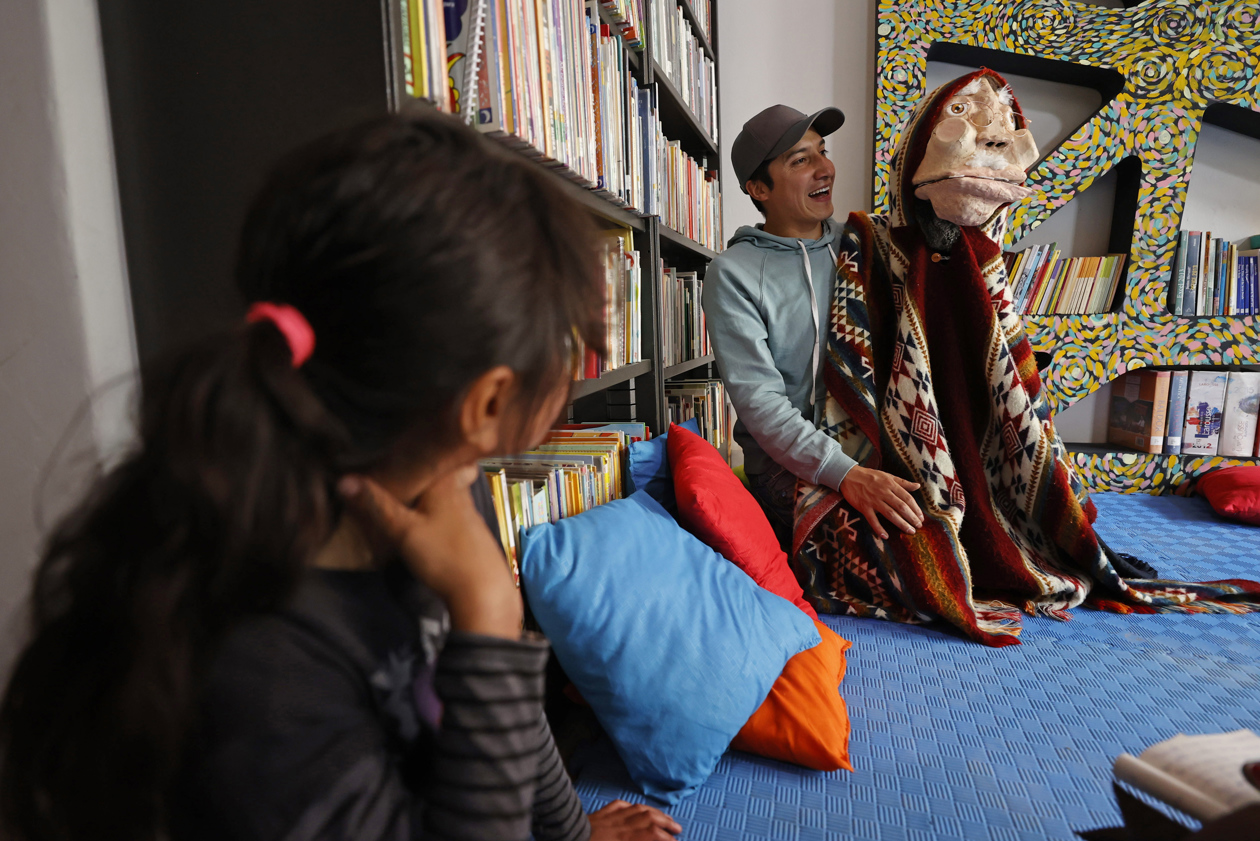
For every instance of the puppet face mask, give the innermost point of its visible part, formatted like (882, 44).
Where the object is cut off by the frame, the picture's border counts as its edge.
(977, 156)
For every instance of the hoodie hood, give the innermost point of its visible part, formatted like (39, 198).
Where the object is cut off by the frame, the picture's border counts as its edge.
(758, 238)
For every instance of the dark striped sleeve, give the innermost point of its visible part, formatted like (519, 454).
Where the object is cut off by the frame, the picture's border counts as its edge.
(493, 741)
(558, 814)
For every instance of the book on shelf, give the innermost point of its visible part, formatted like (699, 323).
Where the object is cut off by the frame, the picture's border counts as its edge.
(623, 308)
(1206, 777)
(1178, 383)
(553, 80)
(1043, 282)
(1139, 410)
(578, 467)
(706, 401)
(1238, 419)
(679, 55)
(683, 324)
(1212, 276)
(424, 51)
(1205, 397)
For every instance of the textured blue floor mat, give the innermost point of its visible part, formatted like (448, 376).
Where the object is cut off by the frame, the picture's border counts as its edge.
(955, 740)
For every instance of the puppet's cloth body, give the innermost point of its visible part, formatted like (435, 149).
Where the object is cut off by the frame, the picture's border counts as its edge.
(930, 377)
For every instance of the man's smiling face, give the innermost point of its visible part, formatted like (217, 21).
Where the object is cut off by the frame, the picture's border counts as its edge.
(802, 177)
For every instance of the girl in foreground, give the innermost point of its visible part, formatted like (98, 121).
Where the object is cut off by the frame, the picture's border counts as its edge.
(284, 615)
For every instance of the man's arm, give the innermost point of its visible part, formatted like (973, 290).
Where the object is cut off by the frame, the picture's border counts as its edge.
(757, 389)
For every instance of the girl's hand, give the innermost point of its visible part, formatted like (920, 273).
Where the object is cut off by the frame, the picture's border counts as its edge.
(444, 541)
(621, 821)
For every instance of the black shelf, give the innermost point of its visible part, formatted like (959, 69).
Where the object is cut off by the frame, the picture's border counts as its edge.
(676, 240)
(678, 120)
(690, 365)
(690, 14)
(585, 388)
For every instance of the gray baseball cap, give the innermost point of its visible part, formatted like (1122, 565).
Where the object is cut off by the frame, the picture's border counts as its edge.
(773, 132)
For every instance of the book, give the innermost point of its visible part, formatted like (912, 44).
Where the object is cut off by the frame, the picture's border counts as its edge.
(1139, 410)
(1177, 288)
(1201, 776)
(1177, 385)
(1238, 419)
(1207, 276)
(1189, 305)
(1205, 397)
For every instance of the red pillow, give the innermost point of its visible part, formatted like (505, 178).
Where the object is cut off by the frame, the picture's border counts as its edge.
(804, 719)
(716, 507)
(1234, 492)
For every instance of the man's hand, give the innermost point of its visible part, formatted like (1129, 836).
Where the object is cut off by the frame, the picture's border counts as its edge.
(876, 494)
(445, 543)
(620, 821)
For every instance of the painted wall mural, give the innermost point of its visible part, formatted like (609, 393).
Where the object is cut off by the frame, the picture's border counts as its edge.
(1177, 58)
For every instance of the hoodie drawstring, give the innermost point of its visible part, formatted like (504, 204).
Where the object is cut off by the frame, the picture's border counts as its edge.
(813, 311)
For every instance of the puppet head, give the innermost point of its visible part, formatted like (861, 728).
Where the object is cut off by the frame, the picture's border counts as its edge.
(975, 159)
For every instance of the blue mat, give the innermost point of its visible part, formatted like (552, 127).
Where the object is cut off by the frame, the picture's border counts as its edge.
(955, 740)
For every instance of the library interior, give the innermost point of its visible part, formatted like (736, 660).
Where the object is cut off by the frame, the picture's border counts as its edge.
(630, 419)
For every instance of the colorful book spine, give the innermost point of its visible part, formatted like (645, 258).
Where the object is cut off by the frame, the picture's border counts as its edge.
(1189, 304)
(1177, 288)
(1177, 385)
(1238, 421)
(1204, 402)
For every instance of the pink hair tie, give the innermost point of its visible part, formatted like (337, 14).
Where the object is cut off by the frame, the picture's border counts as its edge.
(297, 331)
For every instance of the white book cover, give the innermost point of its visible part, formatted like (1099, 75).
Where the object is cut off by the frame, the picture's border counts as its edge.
(1238, 423)
(1203, 412)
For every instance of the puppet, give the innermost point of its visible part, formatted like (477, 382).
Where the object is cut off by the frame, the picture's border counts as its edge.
(930, 377)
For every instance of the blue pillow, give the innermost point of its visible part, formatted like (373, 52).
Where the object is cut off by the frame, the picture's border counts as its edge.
(649, 466)
(673, 646)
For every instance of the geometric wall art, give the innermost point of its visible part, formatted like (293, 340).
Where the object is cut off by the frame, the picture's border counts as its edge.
(1165, 67)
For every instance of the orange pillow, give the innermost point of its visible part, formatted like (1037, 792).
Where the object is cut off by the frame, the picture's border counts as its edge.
(804, 719)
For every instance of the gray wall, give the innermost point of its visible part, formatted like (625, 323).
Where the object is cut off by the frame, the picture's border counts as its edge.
(65, 330)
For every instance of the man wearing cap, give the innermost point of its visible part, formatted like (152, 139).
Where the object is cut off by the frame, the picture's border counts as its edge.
(766, 301)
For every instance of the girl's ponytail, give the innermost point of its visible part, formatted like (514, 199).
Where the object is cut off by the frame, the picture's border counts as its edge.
(422, 255)
(212, 518)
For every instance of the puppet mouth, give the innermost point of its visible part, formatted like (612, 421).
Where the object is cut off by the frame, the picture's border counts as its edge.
(987, 187)
(977, 177)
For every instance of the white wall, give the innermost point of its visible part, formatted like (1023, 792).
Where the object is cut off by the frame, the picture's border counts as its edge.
(65, 329)
(808, 54)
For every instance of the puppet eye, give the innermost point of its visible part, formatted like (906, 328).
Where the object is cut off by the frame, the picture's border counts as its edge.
(958, 108)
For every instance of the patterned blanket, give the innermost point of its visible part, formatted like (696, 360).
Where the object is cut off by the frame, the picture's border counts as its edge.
(931, 377)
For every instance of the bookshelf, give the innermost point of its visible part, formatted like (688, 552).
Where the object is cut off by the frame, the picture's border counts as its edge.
(1164, 69)
(198, 120)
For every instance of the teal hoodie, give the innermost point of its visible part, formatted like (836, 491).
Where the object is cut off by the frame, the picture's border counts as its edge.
(769, 347)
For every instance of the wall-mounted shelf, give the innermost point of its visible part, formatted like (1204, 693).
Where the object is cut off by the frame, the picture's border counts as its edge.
(584, 388)
(671, 241)
(1104, 469)
(1147, 130)
(678, 120)
(688, 366)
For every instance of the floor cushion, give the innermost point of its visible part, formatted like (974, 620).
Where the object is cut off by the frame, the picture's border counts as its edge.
(715, 506)
(649, 466)
(1234, 493)
(672, 646)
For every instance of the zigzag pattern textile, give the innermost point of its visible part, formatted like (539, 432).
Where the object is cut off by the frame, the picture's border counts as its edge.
(931, 377)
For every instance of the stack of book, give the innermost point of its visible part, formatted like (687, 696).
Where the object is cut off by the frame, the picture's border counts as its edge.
(1195, 412)
(554, 81)
(684, 328)
(678, 53)
(628, 18)
(424, 39)
(704, 400)
(1214, 277)
(578, 467)
(623, 309)
(1043, 282)
(690, 201)
(703, 10)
